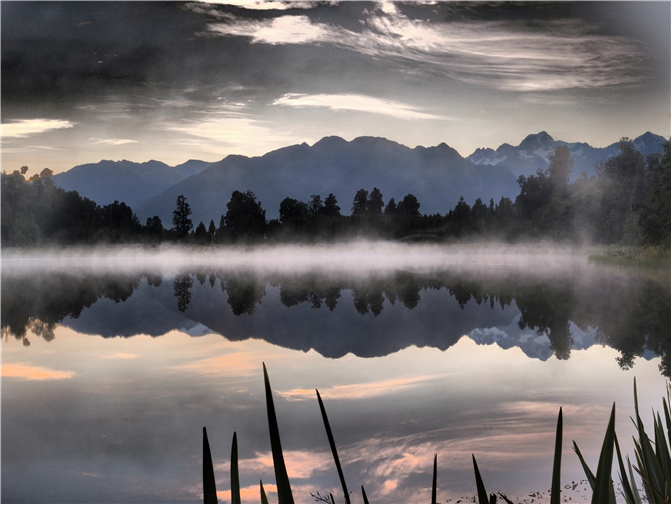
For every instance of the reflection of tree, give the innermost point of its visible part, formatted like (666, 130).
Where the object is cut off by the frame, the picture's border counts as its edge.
(630, 314)
(244, 294)
(37, 303)
(181, 287)
(548, 310)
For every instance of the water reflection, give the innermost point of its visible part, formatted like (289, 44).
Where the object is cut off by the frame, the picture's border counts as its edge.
(544, 315)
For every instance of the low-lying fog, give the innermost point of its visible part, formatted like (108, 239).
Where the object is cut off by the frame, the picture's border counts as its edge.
(353, 258)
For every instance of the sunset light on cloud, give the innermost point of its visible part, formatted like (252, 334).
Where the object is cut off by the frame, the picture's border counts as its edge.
(26, 127)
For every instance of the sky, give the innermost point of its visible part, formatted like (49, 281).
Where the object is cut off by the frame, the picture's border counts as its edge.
(86, 81)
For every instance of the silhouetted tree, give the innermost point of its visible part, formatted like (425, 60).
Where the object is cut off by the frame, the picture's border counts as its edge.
(181, 222)
(359, 203)
(245, 219)
(201, 234)
(374, 203)
(331, 208)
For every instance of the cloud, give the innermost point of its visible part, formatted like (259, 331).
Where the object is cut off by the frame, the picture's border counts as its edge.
(36, 373)
(262, 5)
(507, 55)
(356, 103)
(251, 136)
(25, 127)
(356, 391)
(113, 142)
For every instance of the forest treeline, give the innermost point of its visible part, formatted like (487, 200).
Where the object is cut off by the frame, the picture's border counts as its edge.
(626, 202)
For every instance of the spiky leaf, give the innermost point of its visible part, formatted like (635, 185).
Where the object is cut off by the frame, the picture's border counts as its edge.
(209, 487)
(480, 488)
(235, 481)
(557, 458)
(264, 500)
(332, 444)
(434, 482)
(603, 492)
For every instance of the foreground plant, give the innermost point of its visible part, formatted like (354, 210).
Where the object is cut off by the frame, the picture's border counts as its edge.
(653, 465)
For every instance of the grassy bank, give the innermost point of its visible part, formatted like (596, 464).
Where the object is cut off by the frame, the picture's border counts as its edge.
(633, 256)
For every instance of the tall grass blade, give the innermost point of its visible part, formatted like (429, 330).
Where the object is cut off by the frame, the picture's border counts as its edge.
(281, 478)
(332, 444)
(480, 488)
(209, 487)
(603, 492)
(650, 469)
(434, 482)
(557, 458)
(235, 481)
(662, 448)
(331, 496)
(666, 410)
(635, 493)
(264, 500)
(589, 475)
(625, 483)
(366, 500)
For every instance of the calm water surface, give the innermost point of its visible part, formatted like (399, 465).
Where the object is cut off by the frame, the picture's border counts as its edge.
(112, 362)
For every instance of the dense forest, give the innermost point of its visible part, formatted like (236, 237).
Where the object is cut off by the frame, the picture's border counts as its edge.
(627, 202)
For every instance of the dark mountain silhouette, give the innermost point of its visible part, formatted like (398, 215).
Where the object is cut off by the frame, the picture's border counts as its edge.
(437, 176)
(125, 181)
(534, 151)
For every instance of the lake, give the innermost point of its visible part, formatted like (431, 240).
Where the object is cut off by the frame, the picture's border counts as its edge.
(114, 360)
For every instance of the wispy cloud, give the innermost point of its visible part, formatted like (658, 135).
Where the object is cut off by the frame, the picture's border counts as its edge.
(355, 103)
(237, 131)
(25, 127)
(262, 5)
(113, 142)
(363, 390)
(31, 372)
(508, 55)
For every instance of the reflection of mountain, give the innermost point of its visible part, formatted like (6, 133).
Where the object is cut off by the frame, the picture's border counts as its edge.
(543, 315)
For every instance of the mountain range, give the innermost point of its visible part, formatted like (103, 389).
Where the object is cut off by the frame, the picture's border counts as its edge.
(438, 176)
(534, 152)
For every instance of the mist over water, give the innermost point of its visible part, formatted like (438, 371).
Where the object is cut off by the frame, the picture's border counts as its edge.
(352, 258)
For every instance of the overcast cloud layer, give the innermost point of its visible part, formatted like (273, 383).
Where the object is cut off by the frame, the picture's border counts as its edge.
(84, 81)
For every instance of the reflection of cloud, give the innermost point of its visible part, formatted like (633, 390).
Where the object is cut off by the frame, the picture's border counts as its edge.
(356, 103)
(364, 390)
(36, 373)
(510, 55)
(249, 494)
(121, 355)
(300, 464)
(242, 363)
(25, 127)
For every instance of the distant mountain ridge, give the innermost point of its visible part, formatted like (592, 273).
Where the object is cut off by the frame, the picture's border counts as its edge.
(125, 181)
(534, 151)
(437, 176)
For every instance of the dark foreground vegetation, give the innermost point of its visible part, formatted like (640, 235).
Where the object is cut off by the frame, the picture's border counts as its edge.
(652, 456)
(627, 202)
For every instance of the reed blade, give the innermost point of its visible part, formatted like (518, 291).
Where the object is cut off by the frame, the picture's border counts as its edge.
(603, 492)
(366, 500)
(625, 482)
(281, 478)
(635, 493)
(589, 475)
(480, 488)
(264, 500)
(209, 487)
(235, 481)
(434, 482)
(557, 458)
(332, 444)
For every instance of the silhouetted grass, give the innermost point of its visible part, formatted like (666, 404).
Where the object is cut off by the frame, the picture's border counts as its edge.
(653, 465)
